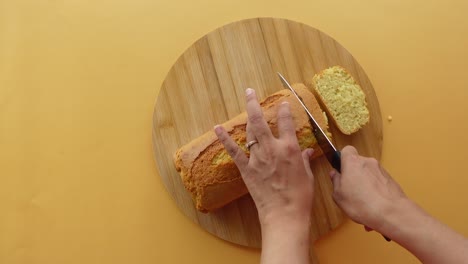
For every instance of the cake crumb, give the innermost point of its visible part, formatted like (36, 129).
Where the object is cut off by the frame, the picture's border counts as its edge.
(389, 118)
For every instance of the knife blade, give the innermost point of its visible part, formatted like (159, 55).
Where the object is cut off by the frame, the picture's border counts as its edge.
(329, 150)
(333, 155)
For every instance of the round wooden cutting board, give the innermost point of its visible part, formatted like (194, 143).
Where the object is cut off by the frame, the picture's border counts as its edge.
(206, 87)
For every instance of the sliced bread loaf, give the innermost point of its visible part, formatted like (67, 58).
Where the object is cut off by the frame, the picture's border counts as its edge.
(210, 174)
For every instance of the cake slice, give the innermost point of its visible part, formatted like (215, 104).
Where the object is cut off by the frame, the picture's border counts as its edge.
(343, 99)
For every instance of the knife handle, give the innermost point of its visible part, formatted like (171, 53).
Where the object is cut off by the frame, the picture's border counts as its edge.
(336, 161)
(336, 164)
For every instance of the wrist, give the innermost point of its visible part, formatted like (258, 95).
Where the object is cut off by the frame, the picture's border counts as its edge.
(277, 216)
(287, 233)
(397, 215)
(287, 223)
(285, 239)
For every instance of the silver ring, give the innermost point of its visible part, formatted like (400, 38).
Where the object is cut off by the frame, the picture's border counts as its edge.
(250, 144)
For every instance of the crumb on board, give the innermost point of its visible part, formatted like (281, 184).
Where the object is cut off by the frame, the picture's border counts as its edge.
(389, 118)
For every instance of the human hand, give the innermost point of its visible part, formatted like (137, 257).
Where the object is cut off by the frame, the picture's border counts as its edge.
(277, 174)
(364, 190)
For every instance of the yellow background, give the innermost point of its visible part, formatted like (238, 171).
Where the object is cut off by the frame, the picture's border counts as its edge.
(78, 82)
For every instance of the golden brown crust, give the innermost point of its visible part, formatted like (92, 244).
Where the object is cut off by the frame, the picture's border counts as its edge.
(208, 172)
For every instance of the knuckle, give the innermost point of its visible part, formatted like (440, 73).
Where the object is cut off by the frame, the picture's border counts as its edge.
(290, 130)
(349, 151)
(255, 118)
(372, 162)
(346, 149)
(237, 154)
(222, 138)
(292, 147)
(284, 115)
(352, 158)
(233, 151)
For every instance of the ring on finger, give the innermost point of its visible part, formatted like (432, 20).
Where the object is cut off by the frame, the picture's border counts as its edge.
(250, 144)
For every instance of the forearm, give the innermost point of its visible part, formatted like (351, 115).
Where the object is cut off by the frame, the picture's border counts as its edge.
(286, 243)
(428, 239)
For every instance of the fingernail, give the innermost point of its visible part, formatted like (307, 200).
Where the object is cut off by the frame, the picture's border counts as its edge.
(249, 91)
(285, 103)
(217, 129)
(332, 173)
(310, 152)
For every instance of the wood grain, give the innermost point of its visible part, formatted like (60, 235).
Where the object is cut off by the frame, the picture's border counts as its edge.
(206, 87)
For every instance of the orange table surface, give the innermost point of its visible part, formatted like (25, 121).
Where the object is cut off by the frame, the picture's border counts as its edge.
(78, 83)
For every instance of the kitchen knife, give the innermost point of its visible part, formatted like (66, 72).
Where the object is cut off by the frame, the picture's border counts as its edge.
(329, 150)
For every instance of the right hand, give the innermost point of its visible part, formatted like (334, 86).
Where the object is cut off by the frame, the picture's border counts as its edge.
(364, 190)
(367, 193)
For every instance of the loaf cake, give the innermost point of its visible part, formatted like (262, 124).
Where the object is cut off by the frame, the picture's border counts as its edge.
(342, 98)
(210, 174)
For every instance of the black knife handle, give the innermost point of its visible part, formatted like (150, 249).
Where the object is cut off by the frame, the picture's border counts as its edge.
(336, 164)
(336, 161)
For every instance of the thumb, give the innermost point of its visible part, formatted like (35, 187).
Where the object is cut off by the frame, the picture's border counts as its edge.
(306, 154)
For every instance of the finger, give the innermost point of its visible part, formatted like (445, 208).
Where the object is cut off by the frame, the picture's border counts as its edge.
(349, 151)
(336, 180)
(250, 135)
(368, 229)
(349, 158)
(306, 154)
(286, 126)
(232, 148)
(259, 126)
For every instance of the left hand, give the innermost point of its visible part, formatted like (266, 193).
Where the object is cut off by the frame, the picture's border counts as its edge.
(277, 174)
